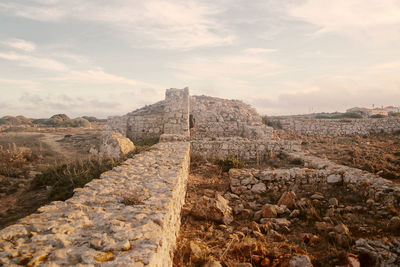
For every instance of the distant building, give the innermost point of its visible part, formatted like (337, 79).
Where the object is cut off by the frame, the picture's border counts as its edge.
(392, 109)
(367, 112)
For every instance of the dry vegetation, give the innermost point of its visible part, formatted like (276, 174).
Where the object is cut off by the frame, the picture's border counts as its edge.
(379, 154)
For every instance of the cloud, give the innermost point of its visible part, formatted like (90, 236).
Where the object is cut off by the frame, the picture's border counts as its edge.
(182, 24)
(19, 44)
(259, 50)
(34, 61)
(374, 18)
(9, 84)
(97, 76)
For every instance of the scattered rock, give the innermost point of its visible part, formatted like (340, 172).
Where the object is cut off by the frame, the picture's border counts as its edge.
(269, 211)
(115, 145)
(333, 201)
(259, 188)
(212, 263)
(300, 261)
(288, 199)
(334, 179)
(216, 209)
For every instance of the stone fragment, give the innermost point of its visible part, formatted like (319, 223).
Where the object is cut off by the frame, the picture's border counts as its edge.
(317, 196)
(342, 229)
(352, 260)
(294, 214)
(216, 209)
(259, 188)
(334, 179)
(198, 251)
(115, 145)
(333, 201)
(288, 199)
(300, 261)
(269, 211)
(212, 263)
(394, 224)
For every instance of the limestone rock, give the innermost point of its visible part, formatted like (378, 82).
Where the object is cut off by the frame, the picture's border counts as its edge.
(300, 261)
(216, 209)
(334, 179)
(269, 211)
(115, 145)
(259, 188)
(288, 199)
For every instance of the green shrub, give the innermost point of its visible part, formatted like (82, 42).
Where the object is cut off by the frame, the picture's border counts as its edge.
(337, 115)
(77, 122)
(377, 116)
(394, 114)
(65, 178)
(276, 124)
(229, 163)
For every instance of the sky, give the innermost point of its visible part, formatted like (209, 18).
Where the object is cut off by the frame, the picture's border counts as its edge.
(102, 58)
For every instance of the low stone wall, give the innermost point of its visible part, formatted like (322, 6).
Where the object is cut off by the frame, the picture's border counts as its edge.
(241, 148)
(129, 217)
(340, 126)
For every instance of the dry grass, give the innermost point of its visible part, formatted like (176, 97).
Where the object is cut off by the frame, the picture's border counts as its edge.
(14, 161)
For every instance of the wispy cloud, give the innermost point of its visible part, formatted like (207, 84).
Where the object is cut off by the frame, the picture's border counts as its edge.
(172, 24)
(258, 50)
(34, 61)
(374, 18)
(19, 44)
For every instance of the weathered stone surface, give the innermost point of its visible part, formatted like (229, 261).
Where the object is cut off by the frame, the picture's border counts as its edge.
(129, 217)
(216, 209)
(115, 145)
(288, 199)
(269, 211)
(340, 126)
(259, 188)
(300, 261)
(334, 179)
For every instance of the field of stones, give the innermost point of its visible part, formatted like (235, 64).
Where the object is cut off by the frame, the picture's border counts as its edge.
(296, 209)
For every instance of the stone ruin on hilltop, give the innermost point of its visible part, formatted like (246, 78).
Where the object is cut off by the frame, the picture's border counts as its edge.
(215, 117)
(223, 127)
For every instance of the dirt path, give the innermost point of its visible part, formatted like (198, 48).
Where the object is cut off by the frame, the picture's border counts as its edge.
(52, 141)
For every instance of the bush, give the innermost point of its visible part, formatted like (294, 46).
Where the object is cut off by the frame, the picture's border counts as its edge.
(394, 114)
(337, 115)
(65, 178)
(78, 122)
(13, 161)
(276, 124)
(377, 116)
(229, 163)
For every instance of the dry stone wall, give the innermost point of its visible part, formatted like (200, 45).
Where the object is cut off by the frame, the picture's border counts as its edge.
(217, 117)
(341, 126)
(241, 148)
(129, 217)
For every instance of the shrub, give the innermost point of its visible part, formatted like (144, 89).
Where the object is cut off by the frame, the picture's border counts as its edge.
(276, 124)
(229, 163)
(77, 122)
(13, 161)
(394, 114)
(377, 116)
(337, 115)
(65, 178)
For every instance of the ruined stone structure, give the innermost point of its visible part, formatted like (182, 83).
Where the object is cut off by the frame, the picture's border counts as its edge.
(131, 216)
(214, 118)
(340, 126)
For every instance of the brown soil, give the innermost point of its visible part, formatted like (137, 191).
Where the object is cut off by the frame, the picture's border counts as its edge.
(248, 241)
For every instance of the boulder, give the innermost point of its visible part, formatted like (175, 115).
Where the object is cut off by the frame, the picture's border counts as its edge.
(216, 209)
(334, 179)
(115, 145)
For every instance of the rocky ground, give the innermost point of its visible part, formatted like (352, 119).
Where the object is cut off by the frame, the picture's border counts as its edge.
(379, 154)
(290, 216)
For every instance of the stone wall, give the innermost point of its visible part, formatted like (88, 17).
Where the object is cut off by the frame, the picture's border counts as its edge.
(176, 112)
(340, 126)
(217, 117)
(241, 148)
(129, 217)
